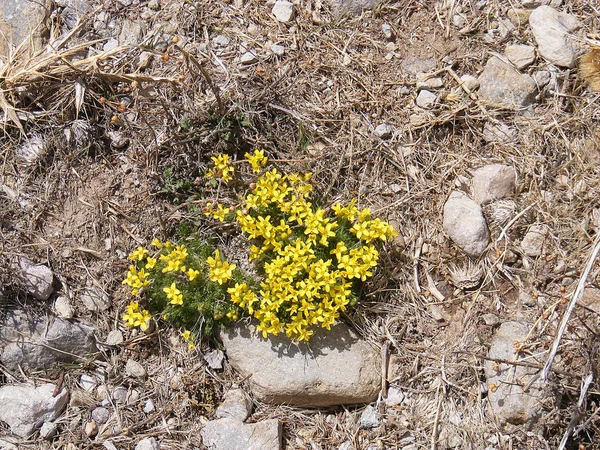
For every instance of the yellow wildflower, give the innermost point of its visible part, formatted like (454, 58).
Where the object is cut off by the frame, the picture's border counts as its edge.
(257, 160)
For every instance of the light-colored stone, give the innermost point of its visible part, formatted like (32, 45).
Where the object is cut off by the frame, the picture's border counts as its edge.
(499, 132)
(507, 400)
(231, 434)
(95, 299)
(90, 428)
(235, 404)
(115, 337)
(395, 397)
(5, 445)
(88, 382)
(493, 182)
(149, 406)
(131, 32)
(63, 308)
(502, 85)
(384, 131)
(470, 82)
(426, 81)
(283, 11)
(40, 343)
(100, 415)
(553, 33)
(221, 40)
(21, 20)
(520, 55)
(25, 408)
(352, 6)
(135, 369)
(369, 418)
(465, 225)
(37, 279)
(248, 58)
(542, 77)
(147, 444)
(336, 367)
(387, 31)
(48, 430)
(426, 99)
(417, 65)
(214, 359)
(111, 44)
(533, 241)
(278, 50)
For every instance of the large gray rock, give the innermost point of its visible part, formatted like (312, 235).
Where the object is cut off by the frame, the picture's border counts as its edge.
(231, 434)
(465, 224)
(37, 279)
(552, 31)
(20, 19)
(40, 343)
(508, 402)
(336, 367)
(493, 182)
(25, 408)
(503, 85)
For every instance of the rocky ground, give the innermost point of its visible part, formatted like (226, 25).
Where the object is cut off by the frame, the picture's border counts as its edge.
(471, 126)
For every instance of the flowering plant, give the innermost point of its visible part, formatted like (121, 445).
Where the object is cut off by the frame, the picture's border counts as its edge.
(310, 260)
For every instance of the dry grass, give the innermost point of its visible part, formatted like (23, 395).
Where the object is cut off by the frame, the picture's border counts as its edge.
(314, 109)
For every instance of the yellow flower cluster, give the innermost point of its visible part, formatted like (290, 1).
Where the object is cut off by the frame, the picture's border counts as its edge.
(187, 336)
(257, 160)
(134, 317)
(219, 271)
(136, 279)
(222, 168)
(308, 267)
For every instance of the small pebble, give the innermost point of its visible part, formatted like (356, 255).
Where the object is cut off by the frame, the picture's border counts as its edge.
(120, 394)
(283, 11)
(368, 418)
(147, 444)
(91, 428)
(149, 406)
(63, 307)
(135, 369)
(115, 337)
(100, 415)
(384, 131)
(248, 58)
(278, 50)
(387, 31)
(214, 359)
(48, 430)
(88, 382)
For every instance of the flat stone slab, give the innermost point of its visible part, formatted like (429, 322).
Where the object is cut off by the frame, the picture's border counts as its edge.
(336, 367)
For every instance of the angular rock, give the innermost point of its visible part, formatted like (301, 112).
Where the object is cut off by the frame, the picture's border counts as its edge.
(337, 367)
(231, 434)
(533, 242)
(40, 343)
(465, 225)
(214, 359)
(135, 369)
(493, 182)
(507, 400)
(503, 85)
(387, 31)
(384, 131)
(63, 308)
(519, 16)
(395, 397)
(283, 11)
(425, 81)
(248, 58)
(278, 50)
(37, 279)
(520, 55)
(417, 65)
(95, 299)
(115, 337)
(25, 408)
(48, 430)
(426, 99)
(369, 418)
(235, 405)
(221, 40)
(470, 82)
(147, 444)
(20, 19)
(552, 31)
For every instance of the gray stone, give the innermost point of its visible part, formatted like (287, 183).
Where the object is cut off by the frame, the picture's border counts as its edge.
(100, 415)
(131, 32)
(426, 99)
(40, 343)
(490, 319)
(236, 405)
(22, 19)
(5, 445)
(37, 279)
(542, 77)
(369, 418)
(120, 394)
(149, 406)
(493, 182)
(526, 298)
(125, 2)
(231, 434)
(507, 400)
(387, 31)
(335, 367)
(395, 397)
(248, 58)
(88, 382)
(553, 31)
(154, 5)
(278, 50)
(135, 369)
(283, 11)
(417, 65)
(25, 408)
(533, 241)
(214, 359)
(426, 81)
(73, 10)
(221, 40)
(520, 55)
(459, 21)
(465, 224)
(147, 444)
(95, 299)
(115, 337)
(384, 131)
(63, 308)
(347, 445)
(502, 85)
(111, 44)
(48, 430)
(499, 132)
(352, 6)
